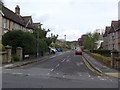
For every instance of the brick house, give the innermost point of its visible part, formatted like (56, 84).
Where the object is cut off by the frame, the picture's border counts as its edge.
(81, 40)
(105, 37)
(10, 21)
(111, 36)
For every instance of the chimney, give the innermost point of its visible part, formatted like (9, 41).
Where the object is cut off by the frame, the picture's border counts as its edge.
(17, 10)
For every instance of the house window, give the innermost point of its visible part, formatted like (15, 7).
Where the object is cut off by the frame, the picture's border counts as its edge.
(5, 25)
(13, 26)
(113, 46)
(8, 23)
(19, 27)
(113, 35)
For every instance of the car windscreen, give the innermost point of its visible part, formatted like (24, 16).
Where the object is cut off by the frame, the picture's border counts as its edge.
(78, 49)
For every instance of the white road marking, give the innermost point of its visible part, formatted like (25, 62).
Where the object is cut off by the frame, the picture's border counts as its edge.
(89, 76)
(52, 70)
(102, 79)
(80, 75)
(58, 65)
(17, 73)
(57, 73)
(98, 76)
(63, 60)
(53, 56)
(63, 76)
(68, 60)
(8, 65)
(48, 73)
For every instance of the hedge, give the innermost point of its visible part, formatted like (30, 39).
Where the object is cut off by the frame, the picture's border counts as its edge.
(106, 53)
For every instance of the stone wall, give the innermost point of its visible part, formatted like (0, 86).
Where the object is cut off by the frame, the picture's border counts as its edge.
(3, 57)
(114, 63)
(6, 56)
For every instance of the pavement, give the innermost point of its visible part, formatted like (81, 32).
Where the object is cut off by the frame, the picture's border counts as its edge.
(100, 67)
(25, 62)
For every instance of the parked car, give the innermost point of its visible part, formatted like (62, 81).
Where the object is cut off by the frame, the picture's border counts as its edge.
(59, 50)
(78, 51)
(53, 50)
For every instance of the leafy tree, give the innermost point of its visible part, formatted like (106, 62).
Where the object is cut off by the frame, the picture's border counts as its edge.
(40, 33)
(43, 47)
(90, 41)
(42, 41)
(18, 38)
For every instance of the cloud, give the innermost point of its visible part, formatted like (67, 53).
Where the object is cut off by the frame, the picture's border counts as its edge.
(71, 35)
(41, 18)
(70, 17)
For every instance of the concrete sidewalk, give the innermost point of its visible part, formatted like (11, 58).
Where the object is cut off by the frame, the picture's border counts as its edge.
(29, 61)
(101, 67)
(25, 62)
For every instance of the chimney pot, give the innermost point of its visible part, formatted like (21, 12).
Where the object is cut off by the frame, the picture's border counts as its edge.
(17, 10)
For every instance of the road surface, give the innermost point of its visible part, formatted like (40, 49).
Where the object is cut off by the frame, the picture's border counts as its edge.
(62, 70)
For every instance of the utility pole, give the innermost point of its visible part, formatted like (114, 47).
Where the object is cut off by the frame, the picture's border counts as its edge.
(38, 39)
(37, 43)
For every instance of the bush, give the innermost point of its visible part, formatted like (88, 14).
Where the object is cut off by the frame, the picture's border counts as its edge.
(22, 39)
(106, 53)
(43, 47)
(15, 58)
(99, 55)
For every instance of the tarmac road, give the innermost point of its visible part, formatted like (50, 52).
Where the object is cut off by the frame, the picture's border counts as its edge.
(62, 70)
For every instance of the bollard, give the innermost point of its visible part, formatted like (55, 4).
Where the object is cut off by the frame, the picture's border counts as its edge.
(9, 51)
(19, 53)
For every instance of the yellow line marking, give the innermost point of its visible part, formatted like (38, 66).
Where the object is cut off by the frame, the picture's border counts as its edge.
(91, 68)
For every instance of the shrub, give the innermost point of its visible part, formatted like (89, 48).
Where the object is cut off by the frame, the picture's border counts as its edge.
(15, 58)
(22, 39)
(106, 53)
(99, 55)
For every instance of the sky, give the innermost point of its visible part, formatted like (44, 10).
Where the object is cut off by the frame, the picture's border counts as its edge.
(72, 18)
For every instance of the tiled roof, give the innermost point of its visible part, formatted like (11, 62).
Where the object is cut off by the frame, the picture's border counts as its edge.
(118, 25)
(26, 20)
(36, 25)
(114, 26)
(12, 16)
(22, 20)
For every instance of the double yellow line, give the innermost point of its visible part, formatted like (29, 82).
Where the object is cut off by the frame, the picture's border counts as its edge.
(91, 68)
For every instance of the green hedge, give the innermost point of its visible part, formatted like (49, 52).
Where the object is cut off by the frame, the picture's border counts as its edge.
(106, 53)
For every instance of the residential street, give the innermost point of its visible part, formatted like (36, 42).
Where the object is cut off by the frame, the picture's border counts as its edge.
(62, 70)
